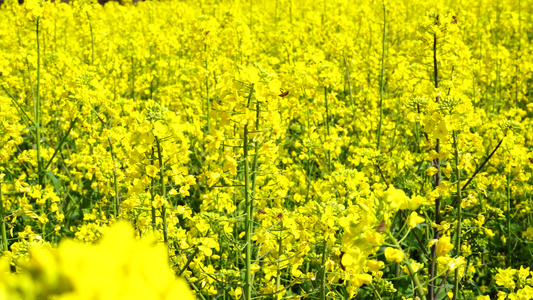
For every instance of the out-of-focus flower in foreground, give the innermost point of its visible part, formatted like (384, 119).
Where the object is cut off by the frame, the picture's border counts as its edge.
(118, 267)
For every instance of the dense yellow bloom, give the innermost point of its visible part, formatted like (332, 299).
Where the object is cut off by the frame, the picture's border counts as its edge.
(451, 263)
(303, 131)
(393, 255)
(151, 171)
(118, 267)
(528, 234)
(414, 219)
(444, 246)
(375, 265)
(395, 198)
(431, 171)
(504, 277)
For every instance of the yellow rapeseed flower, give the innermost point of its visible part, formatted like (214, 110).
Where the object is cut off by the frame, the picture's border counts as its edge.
(444, 246)
(118, 267)
(393, 255)
(414, 219)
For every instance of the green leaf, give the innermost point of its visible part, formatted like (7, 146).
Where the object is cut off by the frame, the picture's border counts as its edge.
(55, 181)
(472, 283)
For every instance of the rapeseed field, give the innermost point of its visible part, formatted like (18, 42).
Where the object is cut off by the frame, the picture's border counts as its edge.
(280, 149)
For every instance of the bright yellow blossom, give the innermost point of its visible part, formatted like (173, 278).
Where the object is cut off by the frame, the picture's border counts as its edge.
(393, 255)
(414, 219)
(444, 246)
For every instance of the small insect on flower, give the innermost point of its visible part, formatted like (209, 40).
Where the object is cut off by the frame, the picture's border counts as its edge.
(340, 259)
(381, 226)
(280, 216)
(261, 211)
(454, 20)
(283, 93)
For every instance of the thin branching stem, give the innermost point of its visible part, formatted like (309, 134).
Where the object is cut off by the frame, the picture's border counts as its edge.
(436, 179)
(412, 273)
(249, 210)
(459, 214)
(163, 189)
(382, 76)
(37, 111)
(2, 219)
(476, 172)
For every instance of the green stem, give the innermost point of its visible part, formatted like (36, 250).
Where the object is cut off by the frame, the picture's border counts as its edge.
(477, 171)
(276, 16)
(2, 220)
(517, 68)
(163, 190)
(251, 22)
(459, 214)
(327, 108)
(248, 275)
(349, 82)
(63, 140)
(28, 121)
(280, 248)
(37, 111)
(195, 288)
(412, 274)
(152, 193)
(116, 208)
(92, 39)
(255, 159)
(437, 180)
(189, 261)
(322, 295)
(133, 78)
(207, 92)
(375, 291)
(381, 79)
(508, 216)
(327, 125)
(249, 210)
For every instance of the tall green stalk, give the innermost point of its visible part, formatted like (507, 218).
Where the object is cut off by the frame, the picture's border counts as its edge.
(251, 21)
(381, 78)
(2, 216)
(37, 111)
(152, 196)
(249, 211)
(248, 250)
(253, 175)
(349, 83)
(327, 125)
(276, 16)
(280, 249)
(116, 206)
(207, 91)
(436, 181)
(459, 214)
(508, 217)
(92, 39)
(133, 78)
(517, 66)
(412, 273)
(163, 190)
(322, 291)
(327, 109)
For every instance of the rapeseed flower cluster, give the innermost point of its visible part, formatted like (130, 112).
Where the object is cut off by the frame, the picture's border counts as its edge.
(118, 267)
